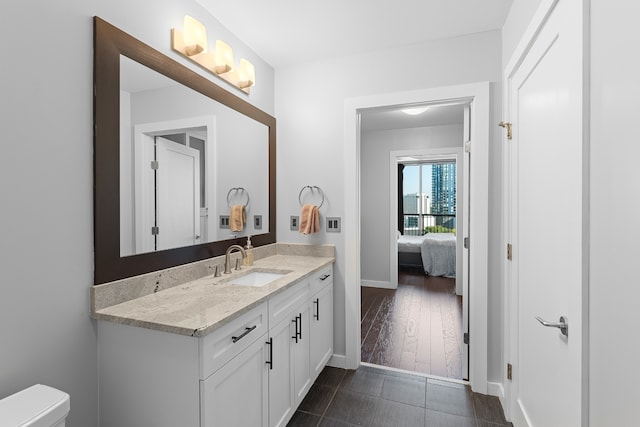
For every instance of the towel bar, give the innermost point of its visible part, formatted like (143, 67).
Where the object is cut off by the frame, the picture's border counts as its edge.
(311, 187)
(238, 190)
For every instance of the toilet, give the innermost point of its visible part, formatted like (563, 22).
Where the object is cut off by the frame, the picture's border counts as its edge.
(36, 406)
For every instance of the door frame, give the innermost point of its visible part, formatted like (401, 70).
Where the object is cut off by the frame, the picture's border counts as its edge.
(510, 336)
(143, 193)
(479, 190)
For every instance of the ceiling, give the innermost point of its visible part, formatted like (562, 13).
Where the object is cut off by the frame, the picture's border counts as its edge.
(286, 32)
(395, 118)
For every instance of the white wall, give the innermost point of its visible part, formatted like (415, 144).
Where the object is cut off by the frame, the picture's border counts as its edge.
(516, 23)
(46, 183)
(375, 188)
(615, 209)
(310, 109)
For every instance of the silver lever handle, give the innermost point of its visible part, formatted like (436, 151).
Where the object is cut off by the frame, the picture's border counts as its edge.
(563, 324)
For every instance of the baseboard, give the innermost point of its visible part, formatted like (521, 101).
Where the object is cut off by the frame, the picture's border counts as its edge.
(338, 361)
(377, 284)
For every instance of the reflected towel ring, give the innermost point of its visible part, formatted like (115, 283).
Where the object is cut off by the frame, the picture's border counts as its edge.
(311, 187)
(238, 190)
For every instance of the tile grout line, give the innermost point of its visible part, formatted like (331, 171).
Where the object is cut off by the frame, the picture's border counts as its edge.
(322, 416)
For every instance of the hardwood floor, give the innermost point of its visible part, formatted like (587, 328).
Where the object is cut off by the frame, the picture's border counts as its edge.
(417, 327)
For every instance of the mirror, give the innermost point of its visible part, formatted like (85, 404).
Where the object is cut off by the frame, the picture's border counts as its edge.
(174, 153)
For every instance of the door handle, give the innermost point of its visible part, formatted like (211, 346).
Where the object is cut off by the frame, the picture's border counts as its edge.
(563, 324)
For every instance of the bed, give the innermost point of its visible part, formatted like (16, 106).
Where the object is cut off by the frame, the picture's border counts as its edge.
(435, 253)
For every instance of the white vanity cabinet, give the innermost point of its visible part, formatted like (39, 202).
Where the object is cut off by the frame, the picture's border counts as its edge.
(252, 371)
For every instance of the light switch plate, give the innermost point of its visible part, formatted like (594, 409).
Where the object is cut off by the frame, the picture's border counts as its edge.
(294, 223)
(224, 221)
(257, 222)
(333, 224)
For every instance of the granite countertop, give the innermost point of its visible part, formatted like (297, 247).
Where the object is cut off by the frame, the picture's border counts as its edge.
(201, 306)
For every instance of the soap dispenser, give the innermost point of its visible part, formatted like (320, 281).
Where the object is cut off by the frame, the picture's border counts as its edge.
(249, 250)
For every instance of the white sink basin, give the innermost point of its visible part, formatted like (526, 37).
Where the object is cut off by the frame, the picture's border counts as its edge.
(256, 278)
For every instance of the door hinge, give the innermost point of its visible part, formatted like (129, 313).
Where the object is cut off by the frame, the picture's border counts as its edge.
(509, 371)
(155, 231)
(154, 164)
(508, 126)
(509, 251)
(465, 338)
(466, 243)
(467, 147)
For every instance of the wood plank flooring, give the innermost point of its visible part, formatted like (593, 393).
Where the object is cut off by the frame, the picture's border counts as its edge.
(417, 327)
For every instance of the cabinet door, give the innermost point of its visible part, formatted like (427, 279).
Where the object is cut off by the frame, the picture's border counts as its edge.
(280, 374)
(237, 393)
(321, 329)
(300, 354)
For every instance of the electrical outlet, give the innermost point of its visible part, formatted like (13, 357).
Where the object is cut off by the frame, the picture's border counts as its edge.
(224, 221)
(333, 224)
(294, 223)
(257, 222)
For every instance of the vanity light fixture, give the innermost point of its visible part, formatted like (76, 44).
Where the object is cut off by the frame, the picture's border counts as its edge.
(247, 74)
(194, 37)
(192, 44)
(223, 57)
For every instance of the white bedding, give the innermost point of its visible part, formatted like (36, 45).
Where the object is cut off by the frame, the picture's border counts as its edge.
(438, 252)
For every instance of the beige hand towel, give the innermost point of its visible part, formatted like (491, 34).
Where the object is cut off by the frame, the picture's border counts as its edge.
(309, 219)
(237, 218)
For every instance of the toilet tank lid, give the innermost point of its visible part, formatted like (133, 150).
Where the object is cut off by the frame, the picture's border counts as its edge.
(34, 406)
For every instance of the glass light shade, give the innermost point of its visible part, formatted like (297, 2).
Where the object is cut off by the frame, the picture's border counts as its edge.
(246, 74)
(415, 111)
(194, 36)
(223, 57)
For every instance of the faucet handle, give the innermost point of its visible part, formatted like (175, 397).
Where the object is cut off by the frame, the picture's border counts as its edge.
(217, 272)
(238, 264)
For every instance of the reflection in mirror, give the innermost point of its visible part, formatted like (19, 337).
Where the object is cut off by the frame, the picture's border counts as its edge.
(182, 154)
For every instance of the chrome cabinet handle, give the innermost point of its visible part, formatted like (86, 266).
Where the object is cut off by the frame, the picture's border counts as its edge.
(563, 324)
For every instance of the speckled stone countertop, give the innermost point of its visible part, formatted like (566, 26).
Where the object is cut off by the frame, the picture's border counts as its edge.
(201, 306)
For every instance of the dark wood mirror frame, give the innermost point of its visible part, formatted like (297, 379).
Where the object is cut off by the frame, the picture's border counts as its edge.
(109, 43)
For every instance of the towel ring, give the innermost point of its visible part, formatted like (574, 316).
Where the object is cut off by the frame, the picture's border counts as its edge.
(238, 190)
(311, 187)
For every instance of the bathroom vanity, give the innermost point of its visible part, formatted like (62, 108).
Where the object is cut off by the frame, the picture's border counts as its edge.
(211, 352)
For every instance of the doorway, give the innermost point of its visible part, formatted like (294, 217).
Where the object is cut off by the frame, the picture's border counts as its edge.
(415, 324)
(478, 96)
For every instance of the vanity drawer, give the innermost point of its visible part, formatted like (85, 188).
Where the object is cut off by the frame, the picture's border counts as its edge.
(222, 345)
(284, 304)
(321, 279)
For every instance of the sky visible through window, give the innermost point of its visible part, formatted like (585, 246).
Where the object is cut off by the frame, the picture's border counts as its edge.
(411, 181)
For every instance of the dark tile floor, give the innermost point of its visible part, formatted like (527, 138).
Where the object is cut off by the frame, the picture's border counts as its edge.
(375, 397)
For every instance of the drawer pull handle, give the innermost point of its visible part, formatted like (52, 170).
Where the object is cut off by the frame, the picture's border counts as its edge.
(299, 332)
(317, 303)
(270, 361)
(244, 334)
(325, 277)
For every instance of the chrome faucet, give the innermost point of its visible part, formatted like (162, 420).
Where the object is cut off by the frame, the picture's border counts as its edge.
(227, 261)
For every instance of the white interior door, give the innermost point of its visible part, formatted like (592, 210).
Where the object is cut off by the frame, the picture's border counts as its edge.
(177, 195)
(546, 161)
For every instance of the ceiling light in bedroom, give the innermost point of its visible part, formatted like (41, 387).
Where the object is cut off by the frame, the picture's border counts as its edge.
(414, 111)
